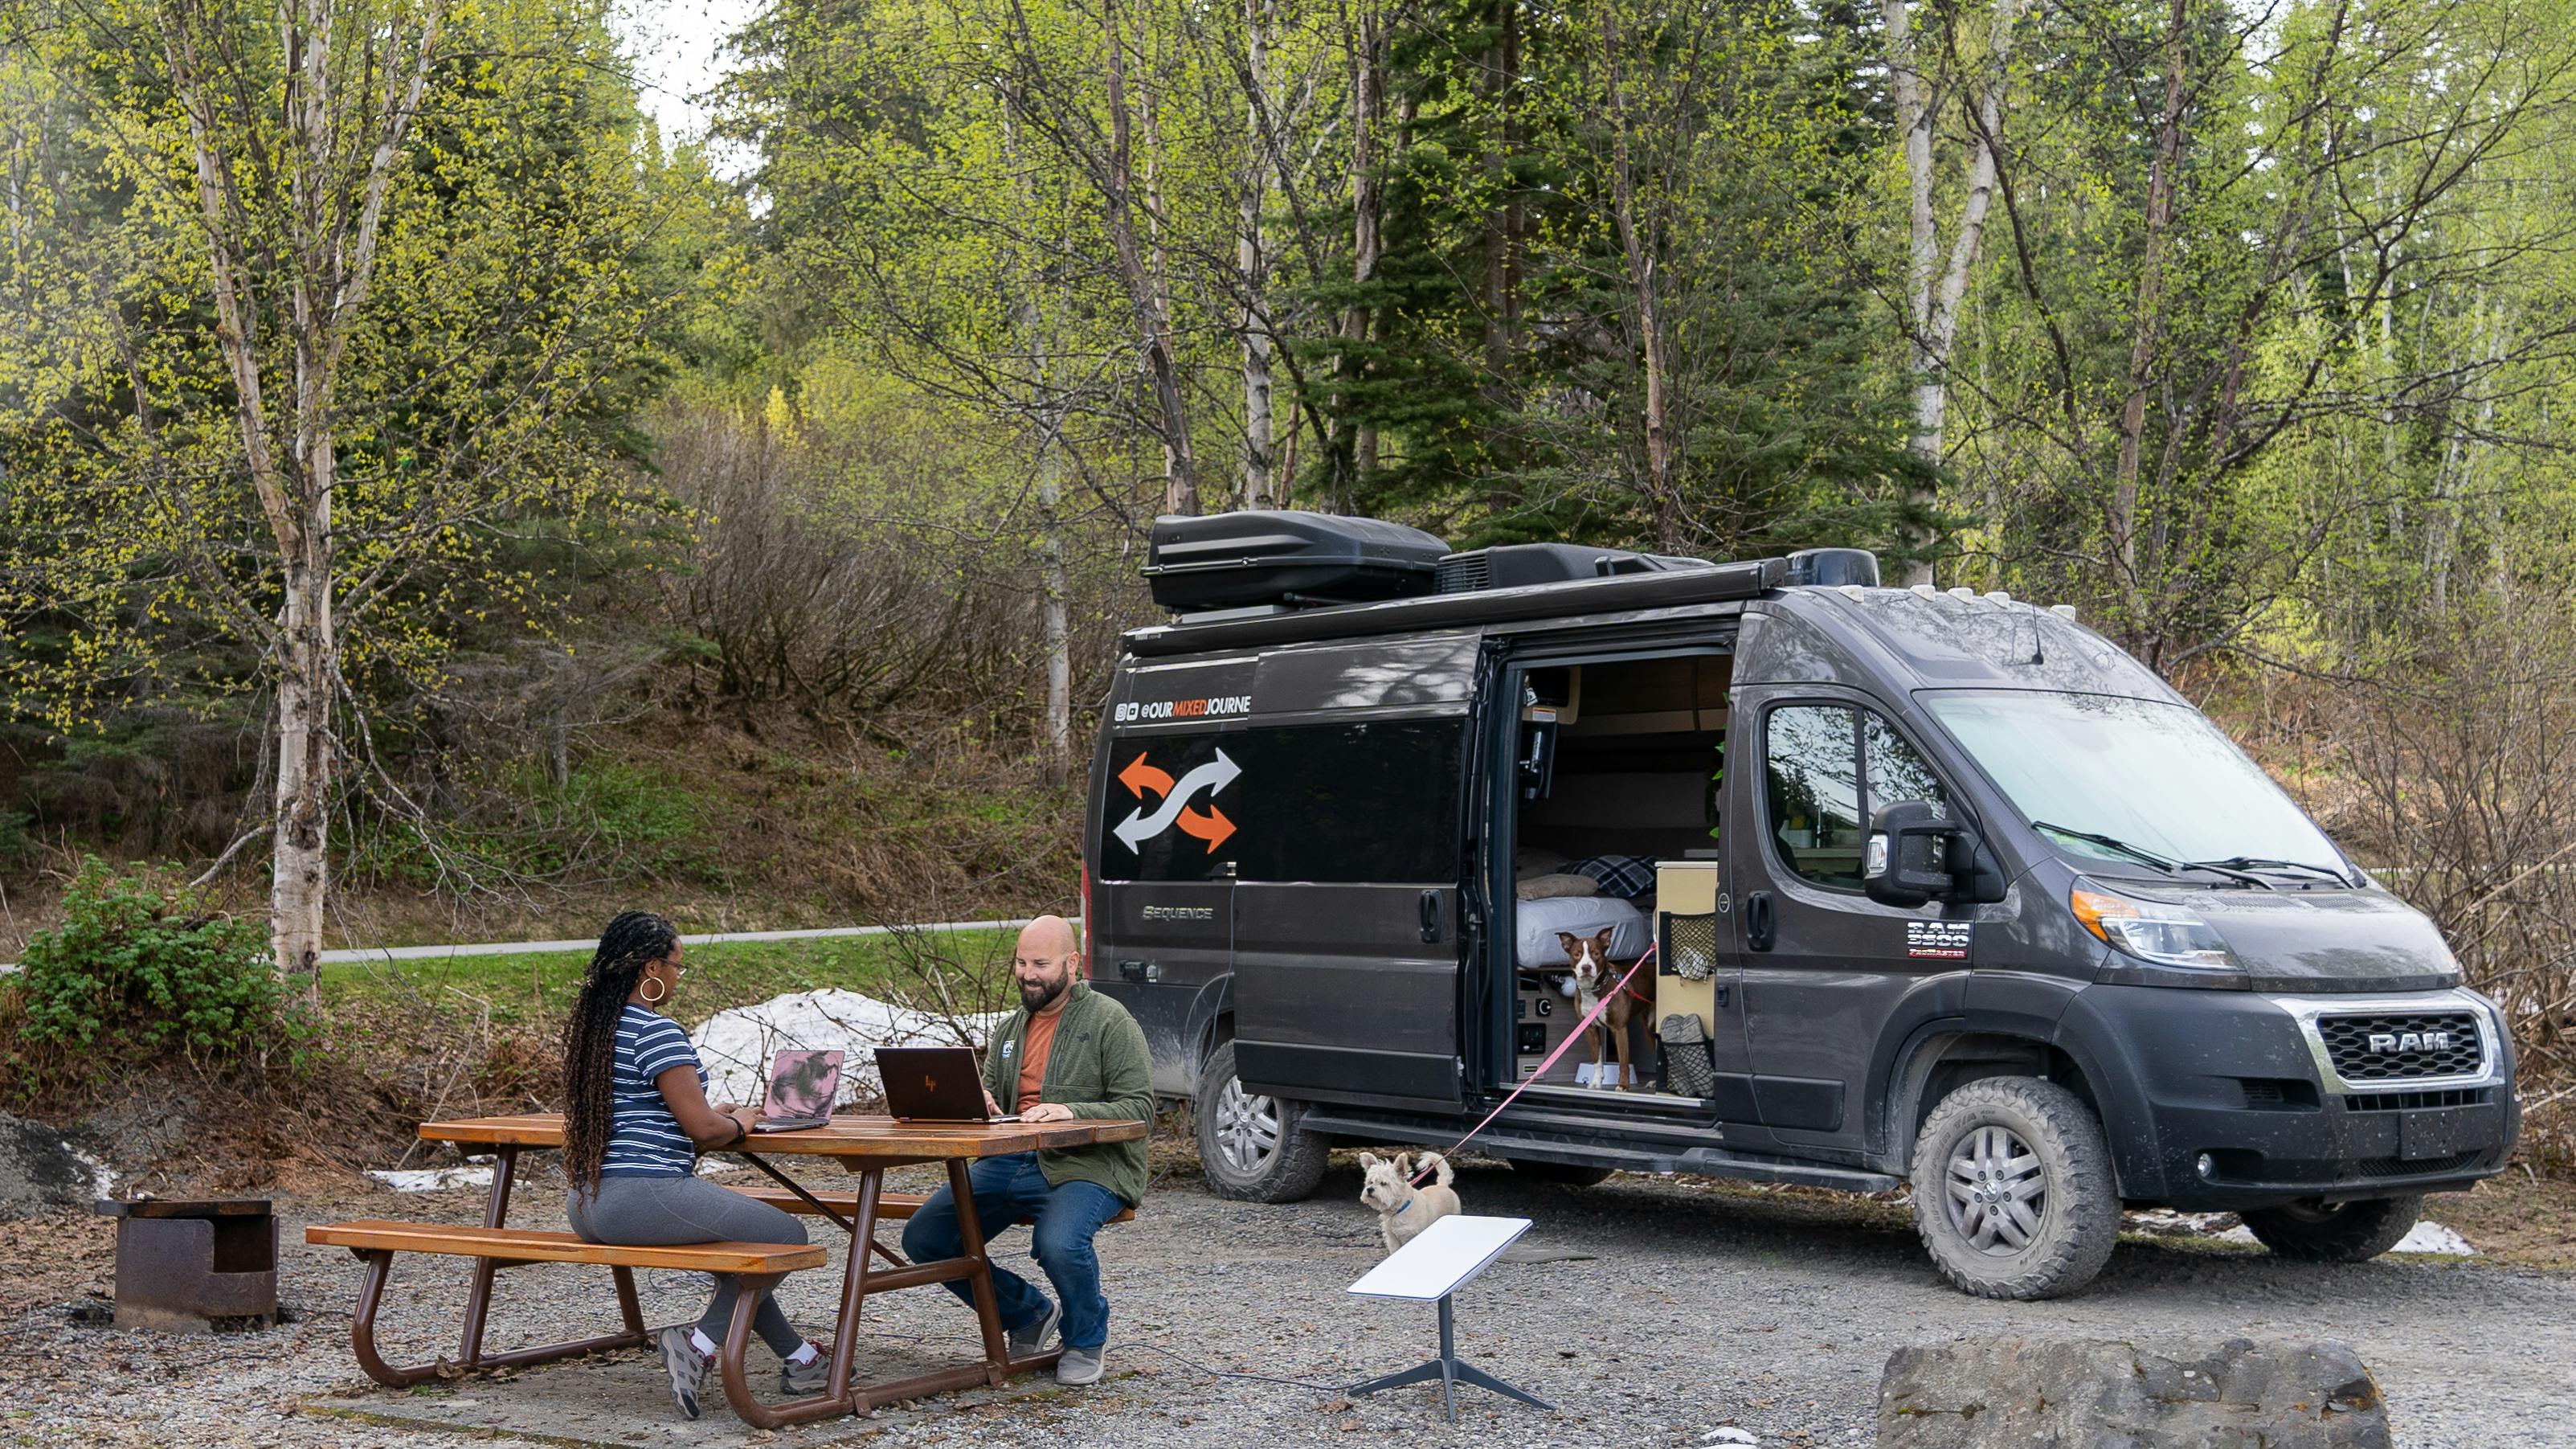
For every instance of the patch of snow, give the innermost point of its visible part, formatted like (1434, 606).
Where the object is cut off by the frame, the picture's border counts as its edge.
(2430, 1237)
(2165, 1222)
(100, 1174)
(431, 1179)
(1729, 1435)
(2424, 1237)
(709, 1166)
(735, 1045)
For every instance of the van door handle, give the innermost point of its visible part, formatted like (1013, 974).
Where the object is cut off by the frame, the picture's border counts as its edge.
(1430, 916)
(1140, 970)
(1761, 924)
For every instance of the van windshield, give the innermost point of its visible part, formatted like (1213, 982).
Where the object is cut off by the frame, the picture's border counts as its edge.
(2154, 777)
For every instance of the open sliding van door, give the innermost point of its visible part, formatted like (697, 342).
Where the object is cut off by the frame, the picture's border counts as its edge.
(1348, 955)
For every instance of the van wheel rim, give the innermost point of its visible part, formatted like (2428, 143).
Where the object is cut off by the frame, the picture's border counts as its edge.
(1998, 1191)
(1247, 1128)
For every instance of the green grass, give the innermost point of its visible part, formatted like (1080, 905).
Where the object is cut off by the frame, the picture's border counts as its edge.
(540, 986)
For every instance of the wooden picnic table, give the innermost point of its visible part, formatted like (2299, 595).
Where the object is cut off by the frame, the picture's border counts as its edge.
(866, 1145)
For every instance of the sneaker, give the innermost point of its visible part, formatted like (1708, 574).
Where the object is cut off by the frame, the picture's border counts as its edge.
(1078, 1366)
(1033, 1337)
(687, 1367)
(805, 1380)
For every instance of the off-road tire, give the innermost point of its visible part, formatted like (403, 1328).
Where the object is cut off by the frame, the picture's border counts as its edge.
(2078, 1218)
(1229, 1127)
(2343, 1232)
(1567, 1174)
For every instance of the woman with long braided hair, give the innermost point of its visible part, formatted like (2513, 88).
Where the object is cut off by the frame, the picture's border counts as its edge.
(636, 1116)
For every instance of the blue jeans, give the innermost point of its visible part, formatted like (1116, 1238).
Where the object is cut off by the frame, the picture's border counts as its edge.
(1006, 1190)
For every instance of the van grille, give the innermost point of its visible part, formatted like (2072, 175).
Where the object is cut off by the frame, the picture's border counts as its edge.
(2412, 1101)
(2407, 1046)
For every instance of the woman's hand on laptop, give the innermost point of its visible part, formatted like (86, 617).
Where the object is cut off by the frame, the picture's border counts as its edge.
(1046, 1112)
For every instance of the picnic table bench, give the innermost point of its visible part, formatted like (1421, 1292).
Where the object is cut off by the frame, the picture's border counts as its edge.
(866, 1145)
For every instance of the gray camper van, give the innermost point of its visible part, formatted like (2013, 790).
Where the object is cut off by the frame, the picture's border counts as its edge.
(1938, 886)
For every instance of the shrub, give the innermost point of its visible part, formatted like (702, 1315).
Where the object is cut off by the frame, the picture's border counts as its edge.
(139, 964)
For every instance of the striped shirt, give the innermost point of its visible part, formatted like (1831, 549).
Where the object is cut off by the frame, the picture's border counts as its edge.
(644, 1139)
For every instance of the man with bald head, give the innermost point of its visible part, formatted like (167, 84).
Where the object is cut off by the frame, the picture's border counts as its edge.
(1068, 1053)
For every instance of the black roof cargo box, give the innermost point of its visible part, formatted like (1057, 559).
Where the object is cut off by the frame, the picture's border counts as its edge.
(1288, 558)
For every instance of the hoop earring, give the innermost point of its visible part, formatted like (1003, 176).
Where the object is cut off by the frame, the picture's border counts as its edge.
(649, 998)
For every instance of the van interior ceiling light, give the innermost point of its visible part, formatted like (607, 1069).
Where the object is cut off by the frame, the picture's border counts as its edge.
(2149, 930)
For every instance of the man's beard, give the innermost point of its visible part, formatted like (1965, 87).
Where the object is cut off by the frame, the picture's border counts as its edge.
(1043, 995)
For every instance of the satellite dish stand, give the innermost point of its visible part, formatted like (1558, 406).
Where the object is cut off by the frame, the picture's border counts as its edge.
(1432, 1267)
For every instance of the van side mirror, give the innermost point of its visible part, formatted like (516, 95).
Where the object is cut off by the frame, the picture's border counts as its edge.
(1916, 854)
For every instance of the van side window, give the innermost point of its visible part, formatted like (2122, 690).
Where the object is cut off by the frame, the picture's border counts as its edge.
(1811, 772)
(1827, 769)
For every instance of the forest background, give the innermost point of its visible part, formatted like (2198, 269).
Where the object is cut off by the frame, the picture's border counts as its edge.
(435, 504)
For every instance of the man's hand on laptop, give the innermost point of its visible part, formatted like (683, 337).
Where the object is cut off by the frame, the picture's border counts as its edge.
(1046, 1112)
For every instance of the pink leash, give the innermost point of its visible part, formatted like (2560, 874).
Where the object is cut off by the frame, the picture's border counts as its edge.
(1571, 1038)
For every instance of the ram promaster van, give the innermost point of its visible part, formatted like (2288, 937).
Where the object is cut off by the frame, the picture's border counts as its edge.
(1929, 886)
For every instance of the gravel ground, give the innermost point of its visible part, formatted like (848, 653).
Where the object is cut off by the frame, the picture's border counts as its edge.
(1704, 1306)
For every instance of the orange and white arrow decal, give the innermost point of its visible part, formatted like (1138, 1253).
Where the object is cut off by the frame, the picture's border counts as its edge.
(1141, 777)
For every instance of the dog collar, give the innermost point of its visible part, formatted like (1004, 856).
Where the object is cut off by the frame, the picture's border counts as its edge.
(1408, 1202)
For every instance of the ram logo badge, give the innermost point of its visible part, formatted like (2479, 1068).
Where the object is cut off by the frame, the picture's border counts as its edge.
(2387, 1042)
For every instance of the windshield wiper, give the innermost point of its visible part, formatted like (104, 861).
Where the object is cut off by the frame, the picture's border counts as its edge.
(2265, 862)
(2144, 856)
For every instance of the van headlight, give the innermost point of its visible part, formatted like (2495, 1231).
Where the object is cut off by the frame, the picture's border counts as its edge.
(2149, 930)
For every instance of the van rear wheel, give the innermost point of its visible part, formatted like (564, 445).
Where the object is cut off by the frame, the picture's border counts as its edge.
(1250, 1146)
(2013, 1193)
(2333, 1232)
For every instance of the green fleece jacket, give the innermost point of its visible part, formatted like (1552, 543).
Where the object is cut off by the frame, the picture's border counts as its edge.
(1100, 1067)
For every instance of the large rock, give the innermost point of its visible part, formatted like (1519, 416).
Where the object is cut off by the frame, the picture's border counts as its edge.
(2026, 1393)
(39, 1170)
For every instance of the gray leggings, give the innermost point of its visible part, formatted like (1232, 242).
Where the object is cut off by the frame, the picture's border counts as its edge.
(648, 1212)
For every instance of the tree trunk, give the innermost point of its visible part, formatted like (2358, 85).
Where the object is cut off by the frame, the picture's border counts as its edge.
(1059, 649)
(1368, 108)
(2148, 322)
(1663, 502)
(299, 850)
(1500, 207)
(1933, 291)
(1261, 162)
(1144, 297)
(1922, 255)
(334, 202)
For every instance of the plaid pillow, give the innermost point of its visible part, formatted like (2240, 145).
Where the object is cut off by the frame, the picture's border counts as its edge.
(1624, 876)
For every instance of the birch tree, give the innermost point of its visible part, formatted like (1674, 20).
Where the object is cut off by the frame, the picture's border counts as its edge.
(1936, 284)
(334, 352)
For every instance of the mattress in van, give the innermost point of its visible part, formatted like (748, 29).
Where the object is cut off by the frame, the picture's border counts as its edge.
(1535, 924)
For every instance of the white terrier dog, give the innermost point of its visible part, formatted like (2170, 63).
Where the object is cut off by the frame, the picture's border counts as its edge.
(1404, 1210)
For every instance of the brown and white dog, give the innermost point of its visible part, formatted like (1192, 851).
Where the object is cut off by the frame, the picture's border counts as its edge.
(1595, 973)
(1404, 1210)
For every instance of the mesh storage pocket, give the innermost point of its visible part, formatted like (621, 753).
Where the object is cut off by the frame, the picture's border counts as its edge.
(1688, 1067)
(1689, 947)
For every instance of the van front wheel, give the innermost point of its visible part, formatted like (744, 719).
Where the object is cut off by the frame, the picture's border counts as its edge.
(1250, 1145)
(2342, 1232)
(2013, 1193)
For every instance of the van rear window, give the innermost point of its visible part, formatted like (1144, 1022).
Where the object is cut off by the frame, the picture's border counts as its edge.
(1374, 802)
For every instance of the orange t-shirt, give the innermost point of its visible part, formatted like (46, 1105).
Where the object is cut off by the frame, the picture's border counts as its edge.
(1035, 1043)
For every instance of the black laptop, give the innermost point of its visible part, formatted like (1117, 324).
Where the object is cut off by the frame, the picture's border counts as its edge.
(933, 1084)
